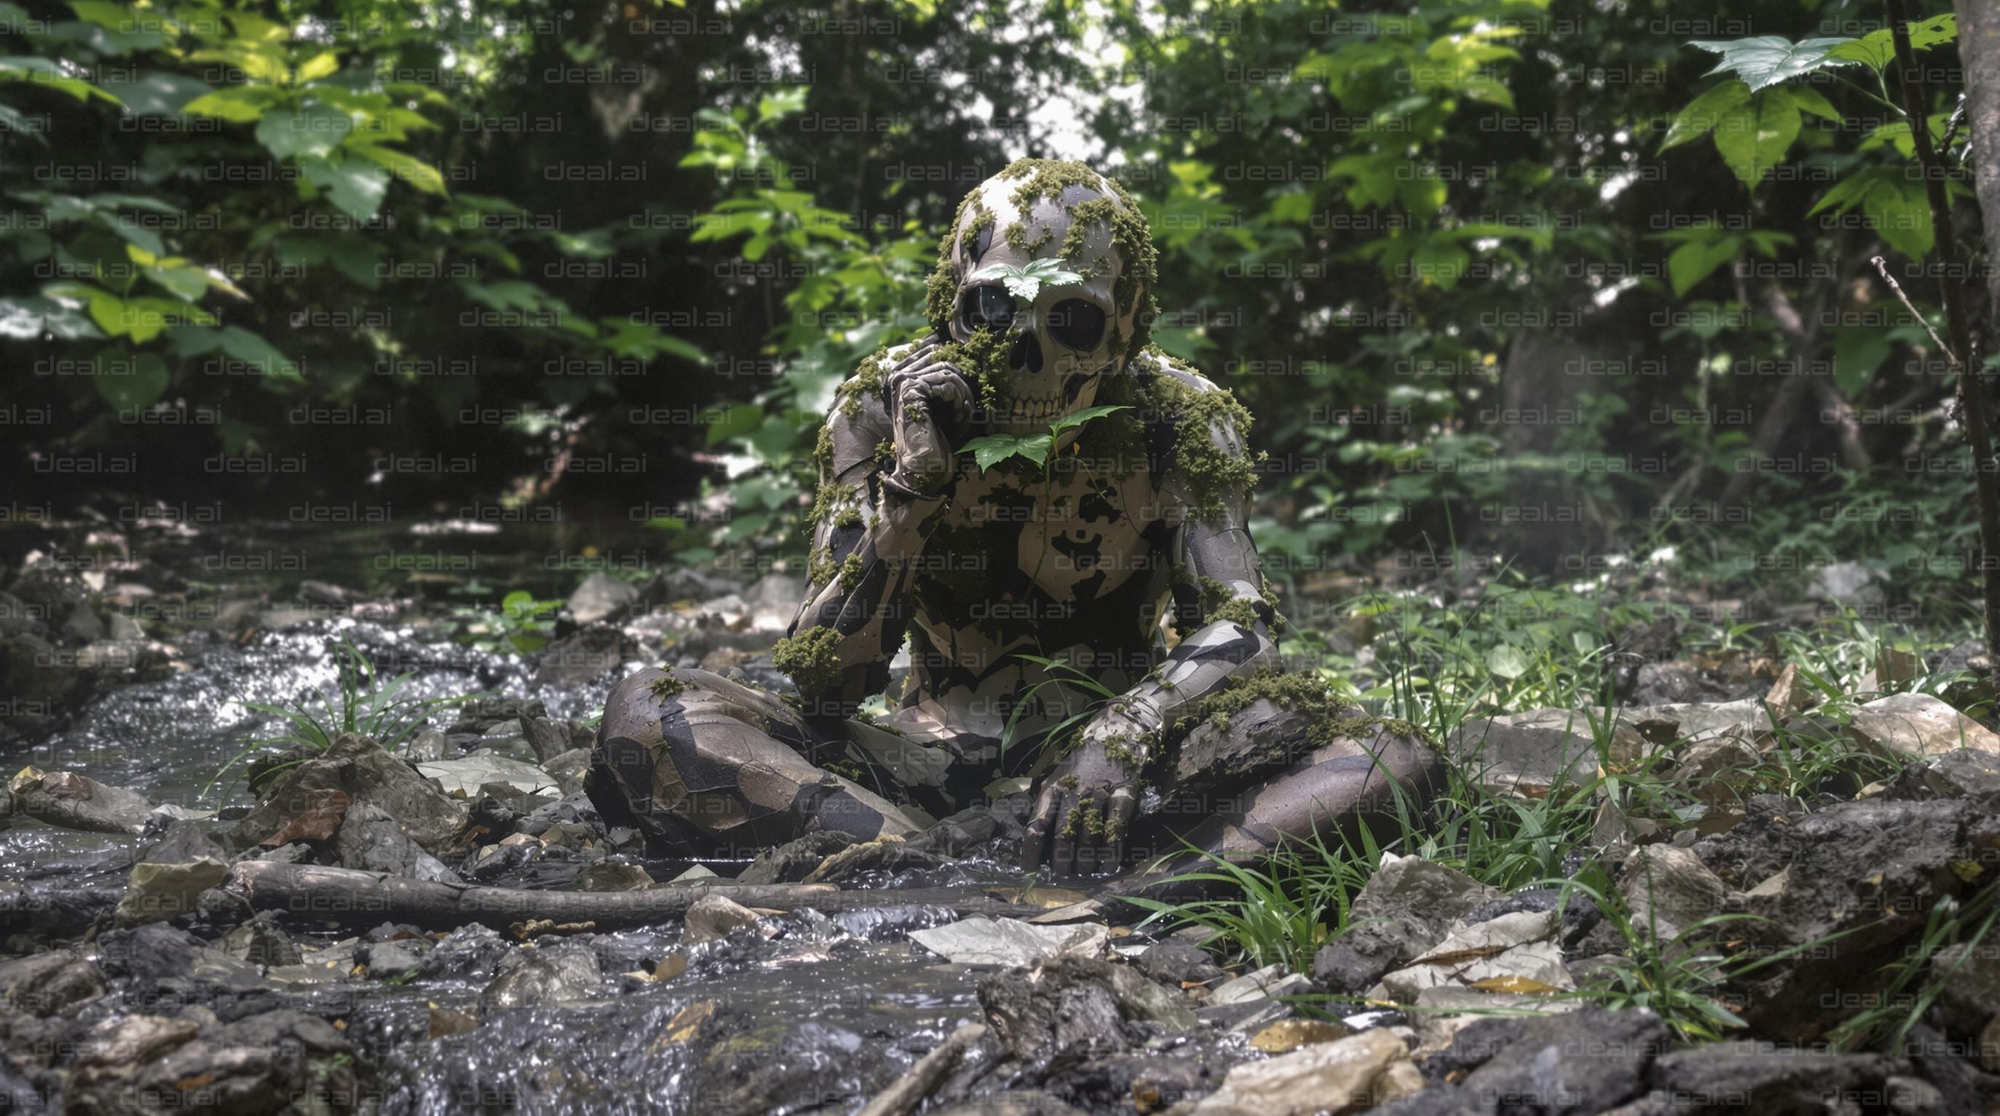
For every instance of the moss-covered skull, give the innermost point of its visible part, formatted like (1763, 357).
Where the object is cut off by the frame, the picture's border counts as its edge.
(1062, 343)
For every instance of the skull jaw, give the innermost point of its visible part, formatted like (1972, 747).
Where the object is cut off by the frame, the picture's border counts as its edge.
(1031, 408)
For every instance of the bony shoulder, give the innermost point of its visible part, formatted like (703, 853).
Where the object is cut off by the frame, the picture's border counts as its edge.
(1157, 361)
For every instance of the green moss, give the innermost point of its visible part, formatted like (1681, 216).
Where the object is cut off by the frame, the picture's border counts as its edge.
(866, 381)
(1327, 717)
(885, 453)
(666, 686)
(850, 573)
(831, 500)
(981, 359)
(1214, 476)
(820, 567)
(849, 516)
(811, 660)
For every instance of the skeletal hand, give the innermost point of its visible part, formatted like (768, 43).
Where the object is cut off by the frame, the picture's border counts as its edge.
(926, 396)
(1087, 801)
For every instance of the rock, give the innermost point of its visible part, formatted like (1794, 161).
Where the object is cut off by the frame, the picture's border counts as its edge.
(1966, 773)
(259, 942)
(44, 686)
(1352, 1074)
(885, 854)
(1288, 1035)
(1527, 752)
(72, 801)
(1914, 725)
(1718, 771)
(580, 657)
(792, 861)
(270, 1062)
(466, 774)
(602, 597)
(358, 767)
(471, 952)
(43, 984)
(371, 840)
(548, 738)
(1176, 963)
(1268, 983)
(122, 1040)
(1078, 1006)
(557, 975)
(1406, 907)
(1668, 890)
(712, 917)
(569, 769)
(1515, 952)
(390, 960)
(1761, 1077)
(1583, 1061)
(1663, 725)
(1011, 1103)
(1447, 1009)
(977, 831)
(608, 875)
(426, 746)
(1007, 942)
(163, 891)
(181, 842)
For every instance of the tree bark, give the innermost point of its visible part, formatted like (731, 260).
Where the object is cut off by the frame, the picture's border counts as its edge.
(358, 900)
(1979, 52)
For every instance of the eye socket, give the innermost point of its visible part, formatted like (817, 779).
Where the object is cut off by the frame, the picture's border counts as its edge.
(986, 307)
(1076, 323)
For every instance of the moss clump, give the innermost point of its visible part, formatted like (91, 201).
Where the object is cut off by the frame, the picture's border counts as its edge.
(981, 360)
(885, 453)
(866, 381)
(850, 573)
(831, 500)
(1215, 474)
(1326, 717)
(810, 660)
(666, 686)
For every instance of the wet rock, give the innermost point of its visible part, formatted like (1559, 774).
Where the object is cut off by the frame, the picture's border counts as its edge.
(1007, 942)
(45, 686)
(358, 767)
(162, 891)
(881, 856)
(613, 876)
(390, 960)
(1023, 1102)
(792, 861)
(122, 1040)
(270, 1062)
(1445, 1010)
(548, 738)
(556, 975)
(1269, 982)
(1176, 963)
(1406, 907)
(602, 597)
(1349, 1075)
(371, 840)
(1760, 1077)
(1527, 752)
(1515, 953)
(47, 983)
(261, 942)
(1078, 1006)
(1668, 890)
(72, 801)
(471, 952)
(427, 746)
(1585, 1061)
(580, 657)
(1966, 773)
(183, 841)
(977, 831)
(712, 917)
(1913, 725)
(569, 769)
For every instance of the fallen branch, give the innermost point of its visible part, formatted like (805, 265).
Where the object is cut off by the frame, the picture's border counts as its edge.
(359, 900)
(907, 1092)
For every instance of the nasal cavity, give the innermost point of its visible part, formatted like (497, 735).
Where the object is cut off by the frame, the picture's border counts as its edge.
(1026, 353)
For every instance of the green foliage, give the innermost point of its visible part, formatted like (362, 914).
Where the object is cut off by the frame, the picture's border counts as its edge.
(521, 624)
(360, 702)
(1026, 282)
(991, 449)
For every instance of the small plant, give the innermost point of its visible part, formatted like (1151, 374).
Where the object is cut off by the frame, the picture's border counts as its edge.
(361, 702)
(1060, 674)
(1026, 282)
(1914, 983)
(1678, 979)
(1281, 913)
(992, 449)
(522, 624)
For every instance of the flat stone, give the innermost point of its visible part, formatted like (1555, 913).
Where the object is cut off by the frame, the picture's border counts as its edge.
(716, 916)
(601, 597)
(1511, 953)
(1352, 1074)
(1528, 752)
(1914, 725)
(73, 801)
(466, 774)
(1668, 890)
(1007, 942)
(1267, 983)
(162, 891)
(529, 977)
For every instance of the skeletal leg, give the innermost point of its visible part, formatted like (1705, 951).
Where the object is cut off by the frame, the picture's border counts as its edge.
(705, 766)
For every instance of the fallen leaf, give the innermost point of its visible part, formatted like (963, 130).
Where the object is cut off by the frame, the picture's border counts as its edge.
(1513, 984)
(324, 811)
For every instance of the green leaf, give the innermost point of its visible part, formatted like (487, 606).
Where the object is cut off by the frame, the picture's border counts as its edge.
(315, 129)
(992, 449)
(29, 318)
(1070, 422)
(252, 349)
(355, 186)
(1701, 116)
(1766, 60)
(128, 382)
(403, 165)
(1692, 262)
(1878, 48)
(155, 92)
(239, 104)
(1858, 351)
(1507, 661)
(1754, 139)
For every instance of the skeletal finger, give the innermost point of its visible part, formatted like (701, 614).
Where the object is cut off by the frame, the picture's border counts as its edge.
(1063, 863)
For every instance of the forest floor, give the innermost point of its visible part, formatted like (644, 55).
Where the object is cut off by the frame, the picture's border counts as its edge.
(1702, 846)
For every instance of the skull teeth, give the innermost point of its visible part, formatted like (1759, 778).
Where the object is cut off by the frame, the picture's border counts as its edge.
(1035, 408)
